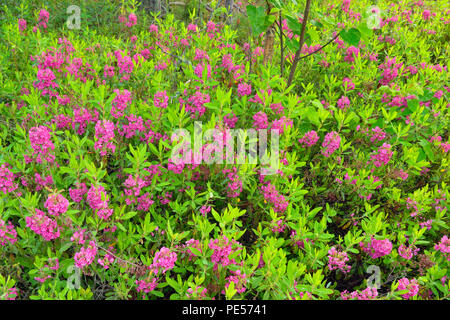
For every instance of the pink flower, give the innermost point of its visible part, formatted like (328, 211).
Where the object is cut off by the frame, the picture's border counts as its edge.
(192, 27)
(43, 18)
(272, 196)
(153, 28)
(7, 180)
(145, 286)
(309, 139)
(338, 260)
(244, 89)
(230, 120)
(86, 255)
(97, 198)
(377, 248)
(161, 99)
(239, 279)
(7, 233)
(366, 294)
(282, 124)
(132, 20)
(78, 236)
(348, 84)
(205, 209)
(222, 249)
(444, 247)
(41, 144)
(11, 294)
(411, 285)
(382, 156)
(77, 194)
(234, 186)
(260, 120)
(164, 260)
(104, 136)
(331, 143)
(352, 52)
(43, 225)
(56, 204)
(120, 103)
(407, 252)
(343, 103)
(22, 24)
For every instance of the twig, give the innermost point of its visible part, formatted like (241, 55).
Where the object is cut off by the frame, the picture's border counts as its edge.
(309, 54)
(281, 46)
(126, 261)
(302, 40)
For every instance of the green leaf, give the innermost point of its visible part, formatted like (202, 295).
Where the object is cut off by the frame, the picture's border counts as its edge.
(426, 146)
(366, 33)
(256, 17)
(351, 36)
(413, 104)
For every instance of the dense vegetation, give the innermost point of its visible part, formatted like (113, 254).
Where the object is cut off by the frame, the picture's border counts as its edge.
(94, 204)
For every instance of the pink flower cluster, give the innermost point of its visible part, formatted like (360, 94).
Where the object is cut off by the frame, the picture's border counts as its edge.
(133, 186)
(10, 294)
(78, 236)
(282, 124)
(377, 248)
(45, 81)
(86, 255)
(230, 120)
(343, 103)
(376, 134)
(411, 285)
(239, 279)
(7, 233)
(390, 71)
(98, 201)
(106, 261)
(366, 294)
(278, 226)
(309, 139)
(331, 143)
(76, 194)
(272, 196)
(161, 99)
(260, 120)
(22, 24)
(164, 260)
(7, 180)
(132, 20)
(196, 104)
(43, 225)
(104, 136)
(56, 204)
(348, 84)
(120, 103)
(244, 89)
(198, 293)
(146, 286)
(41, 144)
(43, 18)
(352, 52)
(337, 260)
(222, 249)
(382, 156)
(407, 252)
(444, 247)
(234, 187)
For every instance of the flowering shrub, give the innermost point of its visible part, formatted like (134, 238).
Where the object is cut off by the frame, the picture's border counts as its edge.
(95, 204)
